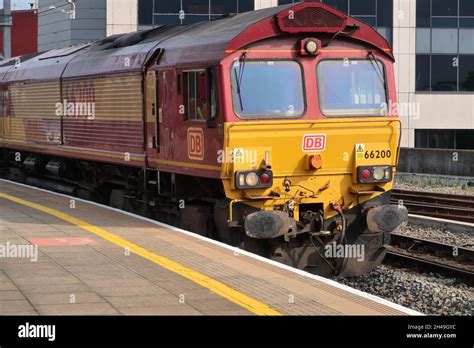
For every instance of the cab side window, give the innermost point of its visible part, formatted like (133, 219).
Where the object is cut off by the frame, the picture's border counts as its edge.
(213, 93)
(200, 95)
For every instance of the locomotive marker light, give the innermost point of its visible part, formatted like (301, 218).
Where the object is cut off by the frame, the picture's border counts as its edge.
(265, 178)
(365, 174)
(311, 46)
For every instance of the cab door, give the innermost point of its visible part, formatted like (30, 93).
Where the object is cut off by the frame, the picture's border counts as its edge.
(151, 115)
(158, 117)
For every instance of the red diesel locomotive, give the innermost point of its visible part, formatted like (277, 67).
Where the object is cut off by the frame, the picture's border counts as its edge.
(267, 130)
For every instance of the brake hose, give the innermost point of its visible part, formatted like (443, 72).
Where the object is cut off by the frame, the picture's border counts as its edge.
(342, 239)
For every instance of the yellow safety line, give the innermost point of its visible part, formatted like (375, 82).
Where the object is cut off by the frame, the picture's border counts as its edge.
(215, 286)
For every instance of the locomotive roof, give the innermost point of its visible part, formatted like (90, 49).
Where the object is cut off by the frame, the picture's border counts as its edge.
(201, 42)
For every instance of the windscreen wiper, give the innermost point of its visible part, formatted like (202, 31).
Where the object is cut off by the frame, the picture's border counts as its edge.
(377, 68)
(239, 76)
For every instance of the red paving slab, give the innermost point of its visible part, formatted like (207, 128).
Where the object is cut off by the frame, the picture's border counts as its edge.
(61, 241)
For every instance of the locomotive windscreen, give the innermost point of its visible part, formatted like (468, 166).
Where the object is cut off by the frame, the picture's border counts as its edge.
(268, 89)
(352, 87)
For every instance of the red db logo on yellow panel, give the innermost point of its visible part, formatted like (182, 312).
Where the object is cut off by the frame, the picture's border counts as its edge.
(196, 144)
(314, 142)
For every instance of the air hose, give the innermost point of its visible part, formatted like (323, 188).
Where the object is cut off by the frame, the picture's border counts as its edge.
(342, 239)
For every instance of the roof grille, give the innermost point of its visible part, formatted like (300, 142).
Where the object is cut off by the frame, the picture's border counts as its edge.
(311, 17)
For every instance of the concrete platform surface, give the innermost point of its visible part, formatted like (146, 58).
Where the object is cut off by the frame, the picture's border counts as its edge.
(63, 256)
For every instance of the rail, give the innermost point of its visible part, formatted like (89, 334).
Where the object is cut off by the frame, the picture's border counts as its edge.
(426, 255)
(440, 205)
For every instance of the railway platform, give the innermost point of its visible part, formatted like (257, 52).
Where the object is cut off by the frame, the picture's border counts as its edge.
(63, 256)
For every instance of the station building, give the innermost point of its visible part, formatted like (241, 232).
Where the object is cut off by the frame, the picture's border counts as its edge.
(433, 42)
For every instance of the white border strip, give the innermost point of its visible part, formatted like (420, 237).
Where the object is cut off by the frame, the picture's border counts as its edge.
(240, 251)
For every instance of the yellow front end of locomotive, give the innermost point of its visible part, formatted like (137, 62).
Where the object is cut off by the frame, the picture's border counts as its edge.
(311, 162)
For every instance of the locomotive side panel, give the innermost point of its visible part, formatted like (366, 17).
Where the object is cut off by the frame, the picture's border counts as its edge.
(104, 113)
(31, 92)
(33, 116)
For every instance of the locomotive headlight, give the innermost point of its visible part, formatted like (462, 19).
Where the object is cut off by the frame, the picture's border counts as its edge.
(251, 179)
(311, 46)
(379, 173)
(374, 174)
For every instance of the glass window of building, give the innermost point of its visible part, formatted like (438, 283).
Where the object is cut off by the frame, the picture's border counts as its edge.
(341, 5)
(223, 6)
(466, 73)
(457, 139)
(377, 13)
(444, 45)
(443, 73)
(423, 74)
(145, 12)
(181, 12)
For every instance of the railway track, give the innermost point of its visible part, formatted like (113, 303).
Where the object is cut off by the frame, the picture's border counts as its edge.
(426, 255)
(440, 205)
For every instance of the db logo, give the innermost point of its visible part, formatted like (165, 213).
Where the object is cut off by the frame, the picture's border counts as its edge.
(196, 144)
(314, 142)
